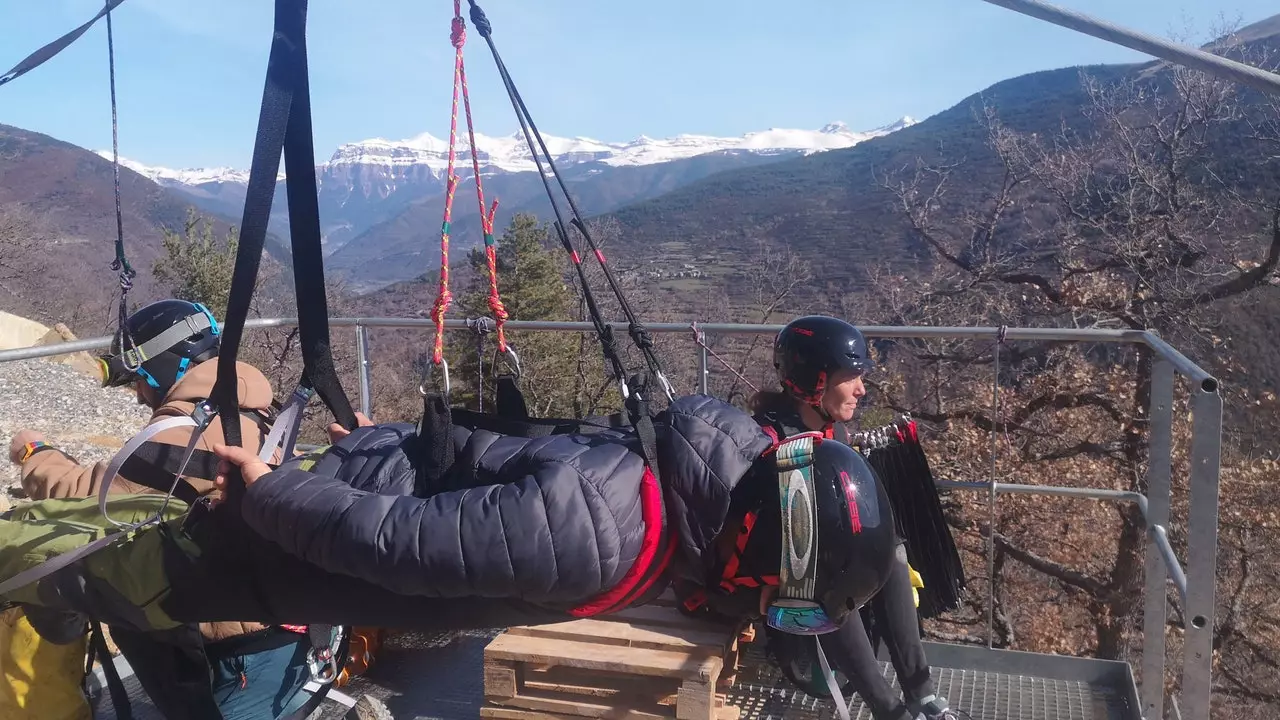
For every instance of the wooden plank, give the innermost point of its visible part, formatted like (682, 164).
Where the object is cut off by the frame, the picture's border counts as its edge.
(633, 709)
(499, 679)
(601, 685)
(630, 635)
(696, 701)
(729, 712)
(639, 661)
(501, 713)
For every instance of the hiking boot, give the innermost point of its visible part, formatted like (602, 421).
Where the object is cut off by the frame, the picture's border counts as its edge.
(934, 707)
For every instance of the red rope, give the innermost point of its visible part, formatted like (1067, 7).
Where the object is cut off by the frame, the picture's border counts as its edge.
(444, 298)
(458, 37)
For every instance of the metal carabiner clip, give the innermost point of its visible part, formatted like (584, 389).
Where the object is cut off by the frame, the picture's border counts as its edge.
(511, 358)
(444, 376)
(322, 665)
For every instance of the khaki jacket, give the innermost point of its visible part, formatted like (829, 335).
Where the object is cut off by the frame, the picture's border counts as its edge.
(54, 474)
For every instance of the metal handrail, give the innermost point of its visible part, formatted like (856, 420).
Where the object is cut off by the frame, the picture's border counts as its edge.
(1196, 585)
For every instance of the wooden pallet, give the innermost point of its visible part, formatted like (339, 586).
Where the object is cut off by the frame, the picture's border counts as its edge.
(646, 663)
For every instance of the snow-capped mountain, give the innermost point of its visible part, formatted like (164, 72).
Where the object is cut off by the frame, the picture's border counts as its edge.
(429, 155)
(510, 153)
(385, 191)
(190, 176)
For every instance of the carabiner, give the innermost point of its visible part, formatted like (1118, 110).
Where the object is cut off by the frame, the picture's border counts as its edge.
(444, 374)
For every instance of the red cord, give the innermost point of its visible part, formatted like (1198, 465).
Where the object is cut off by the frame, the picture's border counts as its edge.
(458, 37)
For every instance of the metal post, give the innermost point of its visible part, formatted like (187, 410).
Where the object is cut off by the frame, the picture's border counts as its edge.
(1202, 550)
(704, 371)
(991, 504)
(1159, 468)
(362, 360)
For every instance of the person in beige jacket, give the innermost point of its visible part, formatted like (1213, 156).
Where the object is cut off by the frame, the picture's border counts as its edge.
(258, 670)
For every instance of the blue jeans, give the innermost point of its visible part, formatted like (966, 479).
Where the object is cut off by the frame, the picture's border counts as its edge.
(266, 684)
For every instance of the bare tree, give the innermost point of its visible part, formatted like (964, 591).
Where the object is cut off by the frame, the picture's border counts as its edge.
(1123, 218)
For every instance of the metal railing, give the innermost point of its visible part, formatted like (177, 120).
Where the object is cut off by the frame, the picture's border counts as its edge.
(1196, 585)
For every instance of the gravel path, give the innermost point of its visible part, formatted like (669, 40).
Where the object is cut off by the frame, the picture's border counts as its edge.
(71, 409)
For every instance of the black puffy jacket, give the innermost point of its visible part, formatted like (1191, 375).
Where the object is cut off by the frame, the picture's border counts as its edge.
(569, 521)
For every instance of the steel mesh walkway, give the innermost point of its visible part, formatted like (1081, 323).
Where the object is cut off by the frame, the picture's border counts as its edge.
(438, 677)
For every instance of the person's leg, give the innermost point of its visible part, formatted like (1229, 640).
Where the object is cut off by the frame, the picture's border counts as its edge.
(895, 610)
(849, 650)
(265, 684)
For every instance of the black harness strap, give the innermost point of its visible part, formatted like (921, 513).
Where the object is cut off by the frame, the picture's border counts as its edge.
(115, 686)
(284, 122)
(434, 444)
(44, 54)
(508, 399)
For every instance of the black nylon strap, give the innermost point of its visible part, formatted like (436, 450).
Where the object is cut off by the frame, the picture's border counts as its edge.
(284, 122)
(508, 400)
(308, 260)
(115, 686)
(44, 54)
(282, 69)
(434, 444)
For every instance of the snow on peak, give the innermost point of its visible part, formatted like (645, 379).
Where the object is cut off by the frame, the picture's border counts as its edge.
(510, 153)
(190, 176)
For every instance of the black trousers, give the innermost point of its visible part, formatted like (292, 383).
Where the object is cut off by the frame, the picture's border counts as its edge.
(849, 649)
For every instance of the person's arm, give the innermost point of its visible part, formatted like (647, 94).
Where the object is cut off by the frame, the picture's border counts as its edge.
(48, 472)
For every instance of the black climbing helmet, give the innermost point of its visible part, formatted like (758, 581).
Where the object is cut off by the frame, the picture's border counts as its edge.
(811, 348)
(164, 339)
(838, 537)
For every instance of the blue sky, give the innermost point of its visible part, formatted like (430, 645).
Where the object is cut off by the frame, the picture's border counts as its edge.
(190, 72)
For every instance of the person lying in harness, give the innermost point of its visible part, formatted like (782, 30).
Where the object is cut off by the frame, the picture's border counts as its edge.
(519, 530)
(258, 670)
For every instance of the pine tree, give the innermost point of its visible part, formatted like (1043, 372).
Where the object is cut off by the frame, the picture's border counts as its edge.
(531, 282)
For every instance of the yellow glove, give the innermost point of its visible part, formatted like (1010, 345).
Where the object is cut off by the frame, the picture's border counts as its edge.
(916, 582)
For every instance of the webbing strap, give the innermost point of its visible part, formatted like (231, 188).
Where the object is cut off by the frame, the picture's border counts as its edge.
(284, 122)
(434, 444)
(56, 563)
(284, 432)
(115, 686)
(44, 54)
(191, 325)
(199, 423)
(841, 706)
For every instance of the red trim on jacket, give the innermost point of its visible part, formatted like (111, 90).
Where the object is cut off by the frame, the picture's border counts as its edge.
(651, 511)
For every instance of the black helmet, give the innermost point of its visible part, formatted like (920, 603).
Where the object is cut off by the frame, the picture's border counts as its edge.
(164, 339)
(838, 537)
(810, 349)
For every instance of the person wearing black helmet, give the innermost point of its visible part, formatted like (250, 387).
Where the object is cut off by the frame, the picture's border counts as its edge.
(169, 357)
(821, 362)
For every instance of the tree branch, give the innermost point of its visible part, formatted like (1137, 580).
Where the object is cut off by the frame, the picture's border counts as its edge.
(1051, 568)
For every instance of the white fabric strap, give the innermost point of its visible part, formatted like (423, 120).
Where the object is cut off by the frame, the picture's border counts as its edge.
(137, 441)
(56, 563)
(284, 431)
(841, 706)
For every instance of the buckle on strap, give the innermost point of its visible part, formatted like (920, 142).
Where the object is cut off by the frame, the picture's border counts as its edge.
(322, 662)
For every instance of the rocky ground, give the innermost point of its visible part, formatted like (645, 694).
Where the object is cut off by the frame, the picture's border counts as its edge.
(70, 408)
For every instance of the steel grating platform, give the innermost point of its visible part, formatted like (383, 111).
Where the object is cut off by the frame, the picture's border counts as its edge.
(438, 677)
